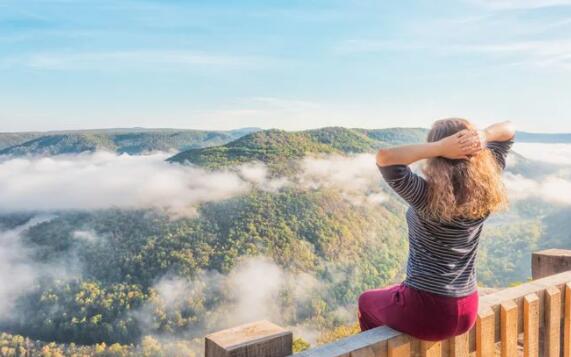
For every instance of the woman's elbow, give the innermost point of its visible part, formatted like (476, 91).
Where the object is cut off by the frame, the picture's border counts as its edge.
(384, 157)
(510, 130)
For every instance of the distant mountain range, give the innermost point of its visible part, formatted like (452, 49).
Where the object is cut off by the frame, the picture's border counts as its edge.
(131, 141)
(525, 137)
(223, 148)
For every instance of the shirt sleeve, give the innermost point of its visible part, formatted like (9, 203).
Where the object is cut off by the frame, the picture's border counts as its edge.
(408, 185)
(500, 149)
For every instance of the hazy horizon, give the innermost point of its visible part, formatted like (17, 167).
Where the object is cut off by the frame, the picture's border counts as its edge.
(244, 128)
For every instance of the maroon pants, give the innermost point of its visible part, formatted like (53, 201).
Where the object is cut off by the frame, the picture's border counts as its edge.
(417, 313)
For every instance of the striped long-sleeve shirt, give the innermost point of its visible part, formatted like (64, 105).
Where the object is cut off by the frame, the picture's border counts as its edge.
(442, 256)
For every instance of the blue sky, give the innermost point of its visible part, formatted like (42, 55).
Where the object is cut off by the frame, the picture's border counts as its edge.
(72, 64)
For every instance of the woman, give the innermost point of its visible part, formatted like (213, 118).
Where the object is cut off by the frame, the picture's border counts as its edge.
(461, 187)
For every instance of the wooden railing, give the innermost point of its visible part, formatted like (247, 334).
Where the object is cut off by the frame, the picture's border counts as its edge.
(532, 319)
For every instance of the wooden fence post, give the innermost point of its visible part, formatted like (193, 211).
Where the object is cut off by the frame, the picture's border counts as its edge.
(549, 262)
(256, 339)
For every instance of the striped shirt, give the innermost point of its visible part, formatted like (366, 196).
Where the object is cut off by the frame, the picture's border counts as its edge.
(442, 255)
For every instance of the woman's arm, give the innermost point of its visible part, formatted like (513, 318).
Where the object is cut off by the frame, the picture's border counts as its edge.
(458, 146)
(499, 132)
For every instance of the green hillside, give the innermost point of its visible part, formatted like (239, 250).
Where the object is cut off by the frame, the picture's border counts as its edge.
(344, 140)
(278, 148)
(131, 141)
(274, 147)
(310, 232)
(395, 136)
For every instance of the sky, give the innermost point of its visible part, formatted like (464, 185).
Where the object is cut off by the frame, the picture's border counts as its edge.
(77, 64)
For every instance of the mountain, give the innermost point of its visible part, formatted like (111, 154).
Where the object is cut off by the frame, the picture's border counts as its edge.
(269, 146)
(61, 144)
(277, 147)
(12, 139)
(130, 141)
(526, 137)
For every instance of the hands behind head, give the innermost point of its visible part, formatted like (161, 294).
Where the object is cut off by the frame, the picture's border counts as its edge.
(463, 144)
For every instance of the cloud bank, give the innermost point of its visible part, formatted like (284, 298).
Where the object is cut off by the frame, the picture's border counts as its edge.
(355, 176)
(18, 269)
(104, 180)
(555, 188)
(559, 154)
(253, 290)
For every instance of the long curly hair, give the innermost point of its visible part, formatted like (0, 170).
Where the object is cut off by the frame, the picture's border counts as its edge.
(464, 189)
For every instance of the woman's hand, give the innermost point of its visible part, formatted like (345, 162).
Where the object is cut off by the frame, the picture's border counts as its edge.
(462, 145)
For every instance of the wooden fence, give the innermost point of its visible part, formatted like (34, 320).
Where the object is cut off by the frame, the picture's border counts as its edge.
(532, 319)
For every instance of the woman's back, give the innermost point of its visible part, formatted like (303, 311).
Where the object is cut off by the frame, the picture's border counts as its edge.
(448, 208)
(442, 254)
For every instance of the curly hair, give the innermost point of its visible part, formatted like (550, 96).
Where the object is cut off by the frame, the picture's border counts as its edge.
(468, 189)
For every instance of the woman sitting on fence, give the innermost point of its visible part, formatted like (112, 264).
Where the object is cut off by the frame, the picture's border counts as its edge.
(461, 187)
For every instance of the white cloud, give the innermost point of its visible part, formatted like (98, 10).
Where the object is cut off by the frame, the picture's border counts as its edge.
(18, 268)
(250, 291)
(86, 236)
(157, 59)
(258, 174)
(355, 176)
(255, 284)
(544, 53)
(552, 189)
(559, 154)
(105, 180)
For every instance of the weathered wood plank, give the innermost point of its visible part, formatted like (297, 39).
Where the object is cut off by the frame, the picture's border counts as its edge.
(349, 344)
(552, 322)
(567, 318)
(400, 346)
(459, 346)
(508, 321)
(518, 292)
(485, 344)
(531, 325)
(430, 349)
(256, 339)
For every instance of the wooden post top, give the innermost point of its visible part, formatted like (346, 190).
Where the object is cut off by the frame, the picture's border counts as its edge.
(550, 261)
(554, 252)
(254, 332)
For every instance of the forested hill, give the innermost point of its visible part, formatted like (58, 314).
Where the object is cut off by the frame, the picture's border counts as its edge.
(131, 141)
(275, 146)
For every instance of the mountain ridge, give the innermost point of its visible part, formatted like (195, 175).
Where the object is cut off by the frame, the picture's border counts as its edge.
(144, 140)
(131, 141)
